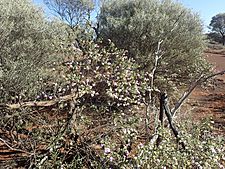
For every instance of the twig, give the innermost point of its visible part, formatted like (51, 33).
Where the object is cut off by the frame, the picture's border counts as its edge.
(154, 139)
(14, 149)
(42, 161)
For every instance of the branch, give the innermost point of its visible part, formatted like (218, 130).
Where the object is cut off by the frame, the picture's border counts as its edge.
(41, 103)
(158, 55)
(185, 95)
(14, 149)
(170, 119)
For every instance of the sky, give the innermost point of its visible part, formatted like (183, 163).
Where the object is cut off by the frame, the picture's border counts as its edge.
(206, 8)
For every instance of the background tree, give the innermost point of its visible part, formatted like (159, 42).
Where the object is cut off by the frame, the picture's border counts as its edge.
(73, 12)
(217, 25)
(214, 37)
(138, 26)
(77, 15)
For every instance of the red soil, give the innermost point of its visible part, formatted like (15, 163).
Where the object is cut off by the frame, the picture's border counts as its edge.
(210, 101)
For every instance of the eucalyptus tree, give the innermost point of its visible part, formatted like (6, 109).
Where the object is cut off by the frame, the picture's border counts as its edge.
(73, 12)
(217, 25)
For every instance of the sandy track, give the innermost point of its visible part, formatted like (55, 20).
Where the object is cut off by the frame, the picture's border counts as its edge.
(218, 62)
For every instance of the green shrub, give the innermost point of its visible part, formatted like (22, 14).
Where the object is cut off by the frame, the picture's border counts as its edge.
(28, 46)
(203, 150)
(106, 77)
(122, 147)
(138, 26)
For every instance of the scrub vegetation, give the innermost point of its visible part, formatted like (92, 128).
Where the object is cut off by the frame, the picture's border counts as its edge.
(78, 92)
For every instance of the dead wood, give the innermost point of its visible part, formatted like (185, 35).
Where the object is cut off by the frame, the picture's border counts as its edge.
(185, 95)
(41, 103)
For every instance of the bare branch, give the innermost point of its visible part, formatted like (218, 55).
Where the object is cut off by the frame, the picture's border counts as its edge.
(14, 149)
(170, 119)
(185, 95)
(41, 103)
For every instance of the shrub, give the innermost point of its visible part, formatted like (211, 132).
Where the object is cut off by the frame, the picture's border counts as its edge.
(106, 77)
(138, 26)
(203, 150)
(122, 147)
(28, 43)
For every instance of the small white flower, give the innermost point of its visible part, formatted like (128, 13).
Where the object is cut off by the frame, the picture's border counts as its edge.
(107, 150)
(111, 159)
(140, 145)
(213, 150)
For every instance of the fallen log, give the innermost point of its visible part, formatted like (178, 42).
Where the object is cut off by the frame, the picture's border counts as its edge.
(41, 103)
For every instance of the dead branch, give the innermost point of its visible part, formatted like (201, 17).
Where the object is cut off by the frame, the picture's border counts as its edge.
(41, 103)
(14, 149)
(149, 105)
(185, 95)
(161, 112)
(169, 117)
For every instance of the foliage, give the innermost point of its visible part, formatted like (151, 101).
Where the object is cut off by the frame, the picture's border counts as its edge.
(28, 45)
(214, 37)
(203, 150)
(120, 146)
(106, 77)
(103, 125)
(138, 26)
(217, 25)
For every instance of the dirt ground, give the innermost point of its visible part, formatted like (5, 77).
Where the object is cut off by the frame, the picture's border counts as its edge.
(210, 101)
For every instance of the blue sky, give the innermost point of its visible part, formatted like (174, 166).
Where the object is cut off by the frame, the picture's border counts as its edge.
(206, 8)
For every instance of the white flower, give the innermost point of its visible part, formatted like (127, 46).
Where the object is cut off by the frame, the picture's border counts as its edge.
(213, 150)
(111, 159)
(140, 145)
(107, 150)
